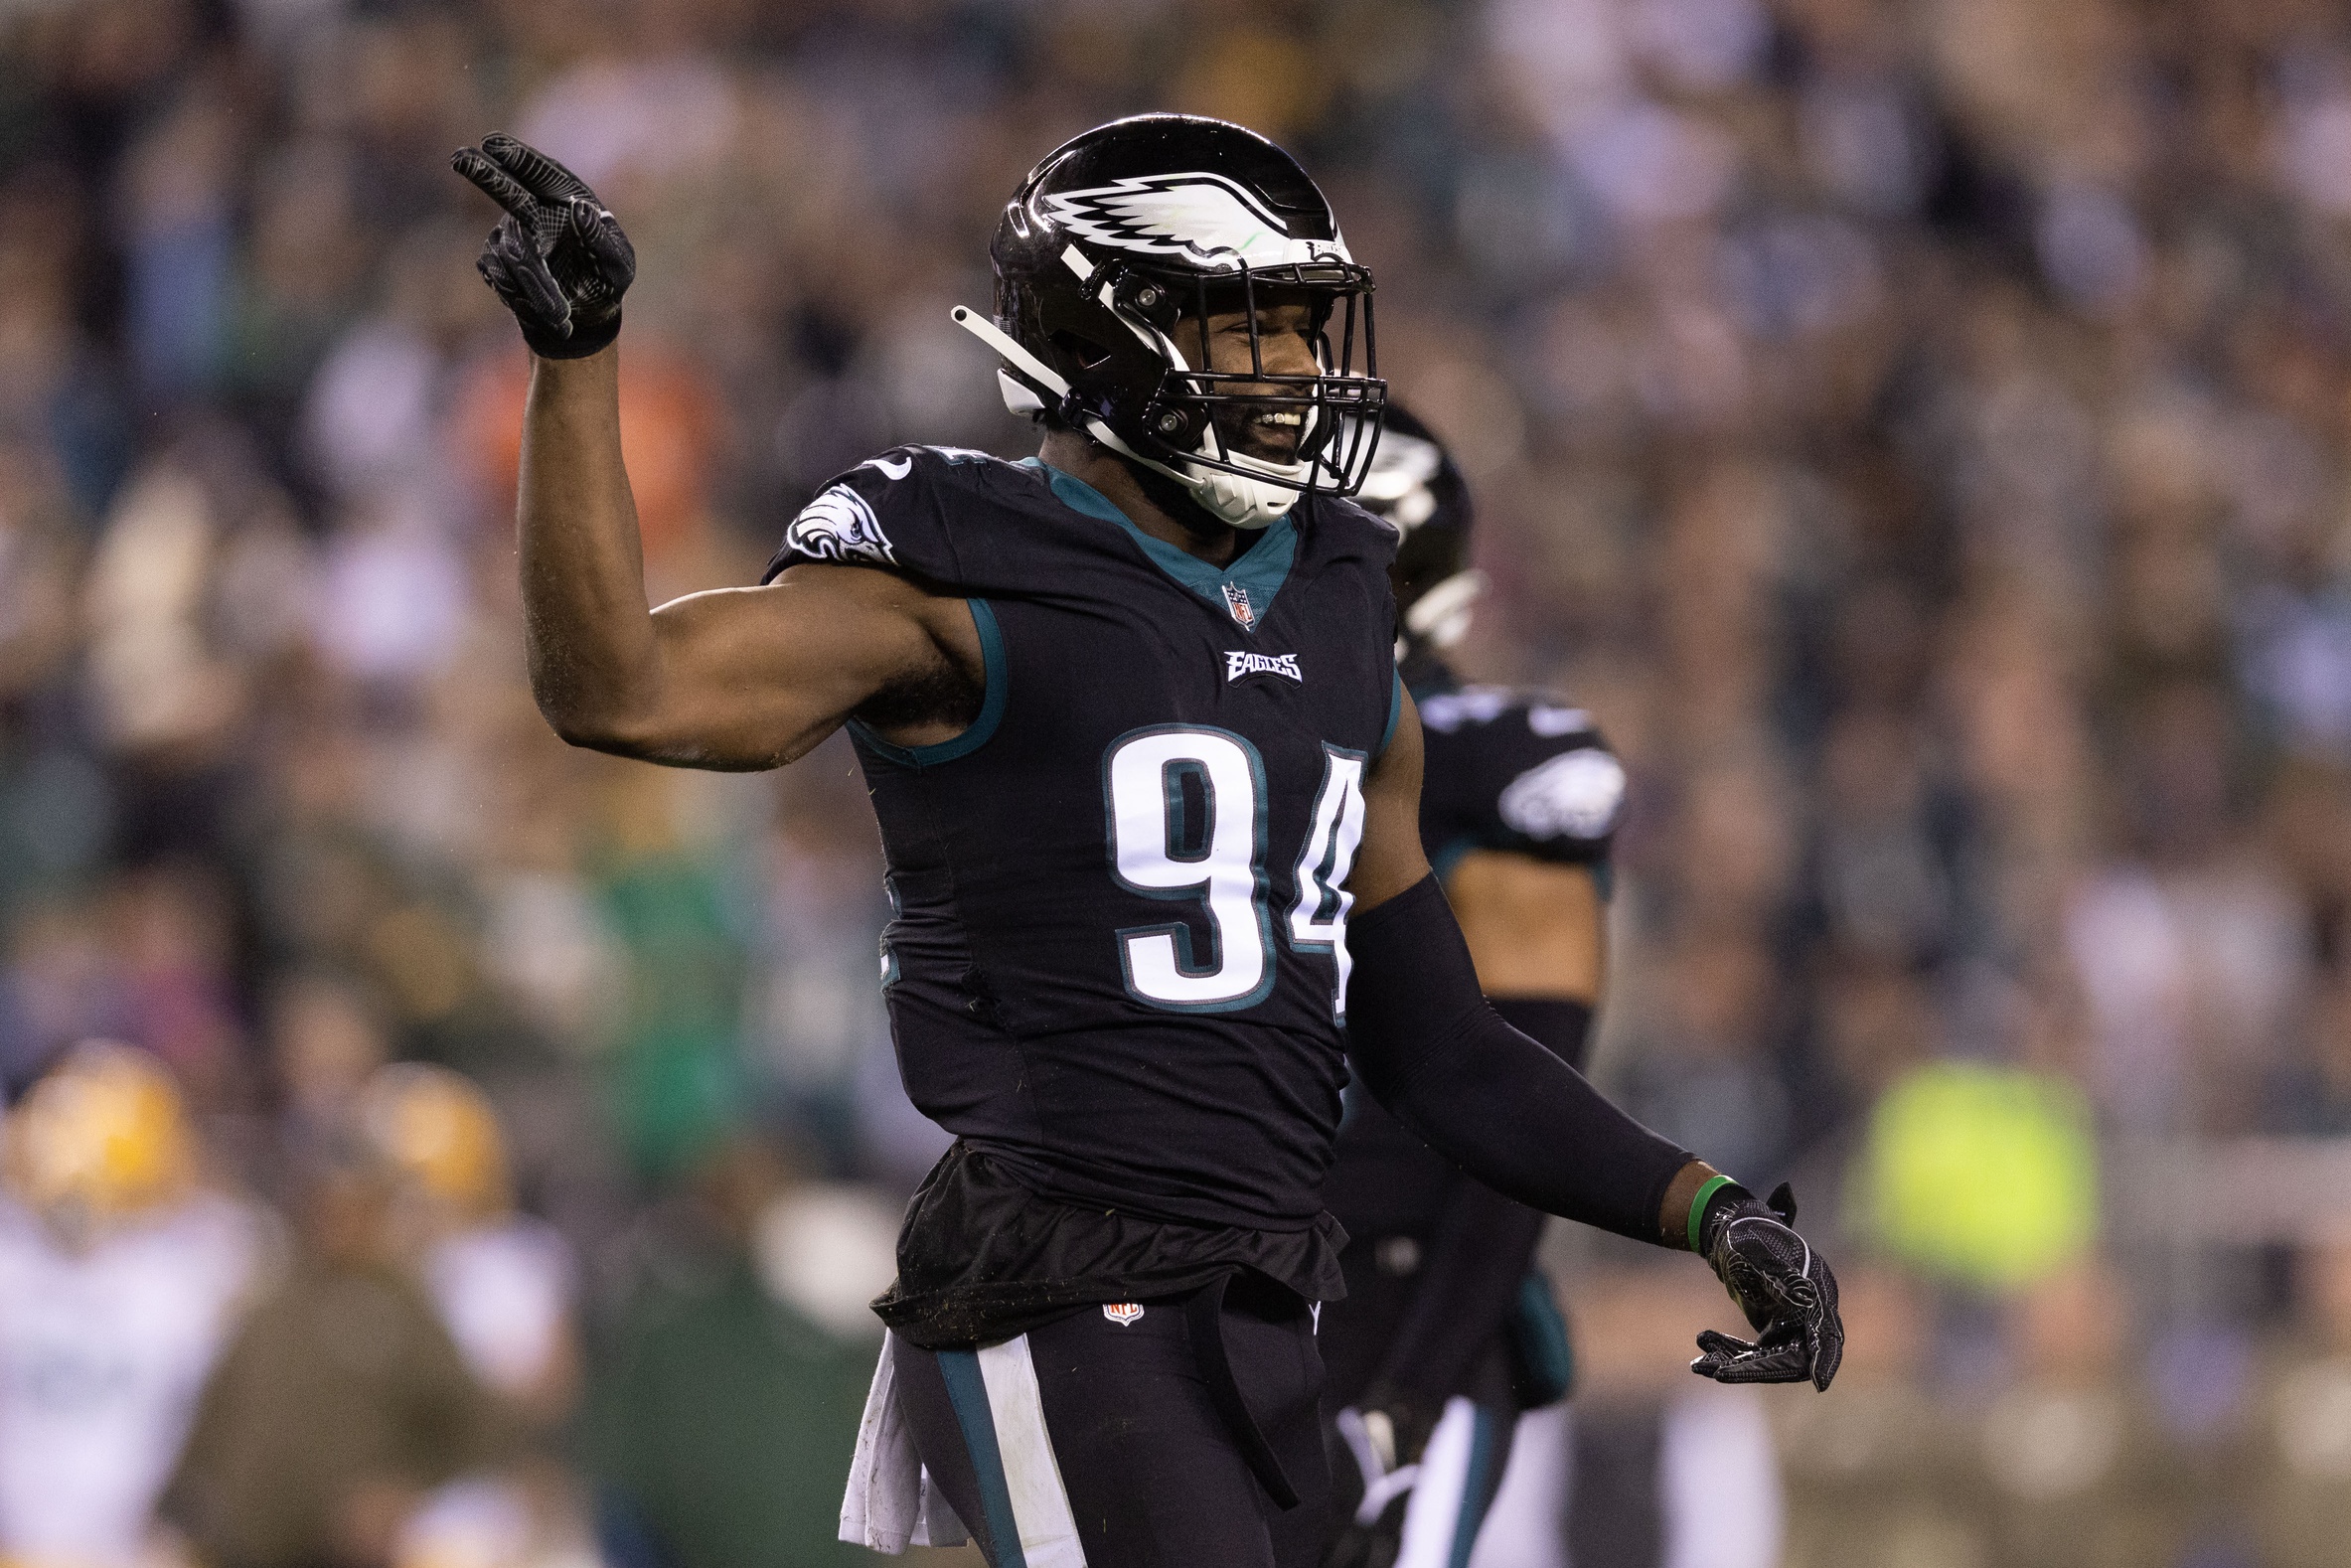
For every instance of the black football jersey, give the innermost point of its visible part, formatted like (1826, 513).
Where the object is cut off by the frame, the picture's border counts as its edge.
(1510, 770)
(1118, 959)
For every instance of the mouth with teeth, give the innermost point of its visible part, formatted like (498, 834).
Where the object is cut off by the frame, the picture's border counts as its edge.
(1268, 435)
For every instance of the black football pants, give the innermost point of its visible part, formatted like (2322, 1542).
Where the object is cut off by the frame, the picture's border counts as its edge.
(1180, 1435)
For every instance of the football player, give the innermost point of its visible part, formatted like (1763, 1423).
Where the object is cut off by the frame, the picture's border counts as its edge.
(122, 1278)
(1448, 1332)
(504, 1280)
(1149, 787)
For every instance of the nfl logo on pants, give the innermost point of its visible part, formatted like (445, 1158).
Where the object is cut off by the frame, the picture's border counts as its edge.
(1124, 1313)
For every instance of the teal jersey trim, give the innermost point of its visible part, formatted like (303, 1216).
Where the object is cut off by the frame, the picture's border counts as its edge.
(1256, 576)
(991, 704)
(1540, 1338)
(1395, 711)
(1443, 860)
(1450, 856)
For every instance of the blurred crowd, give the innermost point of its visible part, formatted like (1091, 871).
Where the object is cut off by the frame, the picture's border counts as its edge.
(1919, 429)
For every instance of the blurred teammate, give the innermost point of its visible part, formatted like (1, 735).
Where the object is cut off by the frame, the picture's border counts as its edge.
(504, 1280)
(1149, 787)
(1448, 1332)
(119, 1275)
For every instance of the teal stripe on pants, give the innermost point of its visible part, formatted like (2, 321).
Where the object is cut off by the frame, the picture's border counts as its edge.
(1477, 1488)
(967, 1391)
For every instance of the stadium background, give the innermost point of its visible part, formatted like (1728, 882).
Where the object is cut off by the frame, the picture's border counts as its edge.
(1918, 430)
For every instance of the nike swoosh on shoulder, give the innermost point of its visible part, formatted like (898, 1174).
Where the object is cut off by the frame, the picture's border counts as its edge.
(895, 471)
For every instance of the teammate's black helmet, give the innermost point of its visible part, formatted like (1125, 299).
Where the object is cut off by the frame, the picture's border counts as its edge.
(1111, 256)
(1415, 485)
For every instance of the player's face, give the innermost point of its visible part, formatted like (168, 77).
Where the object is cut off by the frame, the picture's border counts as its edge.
(1285, 334)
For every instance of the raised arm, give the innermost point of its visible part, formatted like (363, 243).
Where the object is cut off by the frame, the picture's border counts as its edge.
(1527, 1123)
(735, 678)
(738, 677)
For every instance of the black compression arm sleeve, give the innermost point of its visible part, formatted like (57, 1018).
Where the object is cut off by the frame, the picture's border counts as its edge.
(1560, 1027)
(1511, 1113)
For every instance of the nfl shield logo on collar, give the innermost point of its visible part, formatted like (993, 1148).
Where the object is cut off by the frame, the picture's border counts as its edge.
(1124, 1313)
(1236, 598)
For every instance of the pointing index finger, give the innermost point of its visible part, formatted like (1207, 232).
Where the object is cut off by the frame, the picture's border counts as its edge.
(541, 175)
(495, 182)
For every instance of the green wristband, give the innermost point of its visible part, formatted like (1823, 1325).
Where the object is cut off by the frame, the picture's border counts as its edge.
(1713, 1185)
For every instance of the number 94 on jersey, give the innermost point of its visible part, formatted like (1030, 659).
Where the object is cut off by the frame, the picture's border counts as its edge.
(1187, 823)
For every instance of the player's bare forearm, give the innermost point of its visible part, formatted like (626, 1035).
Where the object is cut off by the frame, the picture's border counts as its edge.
(1673, 1214)
(590, 634)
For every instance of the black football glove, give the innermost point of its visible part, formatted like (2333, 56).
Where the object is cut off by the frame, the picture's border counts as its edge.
(1384, 1434)
(558, 257)
(1782, 1285)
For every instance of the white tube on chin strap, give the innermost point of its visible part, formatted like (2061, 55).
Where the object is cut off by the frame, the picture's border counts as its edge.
(1039, 375)
(1233, 499)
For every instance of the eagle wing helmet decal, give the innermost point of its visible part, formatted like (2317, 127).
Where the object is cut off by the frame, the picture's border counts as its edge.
(1204, 216)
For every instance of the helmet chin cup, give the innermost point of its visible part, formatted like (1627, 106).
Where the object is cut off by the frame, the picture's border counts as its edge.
(1243, 502)
(1232, 499)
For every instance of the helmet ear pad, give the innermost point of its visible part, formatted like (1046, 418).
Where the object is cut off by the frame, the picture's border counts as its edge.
(1178, 421)
(1113, 375)
(1149, 300)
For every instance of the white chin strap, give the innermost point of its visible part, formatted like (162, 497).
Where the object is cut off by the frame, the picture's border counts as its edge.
(1233, 499)
(1441, 616)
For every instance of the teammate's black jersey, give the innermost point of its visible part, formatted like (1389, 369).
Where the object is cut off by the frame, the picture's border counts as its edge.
(1506, 770)
(1117, 963)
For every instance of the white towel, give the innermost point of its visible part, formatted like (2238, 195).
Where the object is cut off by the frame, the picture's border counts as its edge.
(891, 1503)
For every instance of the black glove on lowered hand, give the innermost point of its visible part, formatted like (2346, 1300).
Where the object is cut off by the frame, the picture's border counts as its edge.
(1781, 1284)
(558, 259)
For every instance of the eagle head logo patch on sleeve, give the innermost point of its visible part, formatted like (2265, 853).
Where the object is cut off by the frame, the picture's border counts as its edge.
(1574, 795)
(1124, 1314)
(838, 525)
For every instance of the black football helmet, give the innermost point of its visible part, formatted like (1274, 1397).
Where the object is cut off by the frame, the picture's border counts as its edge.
(1414, 484)
(1109, 261)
